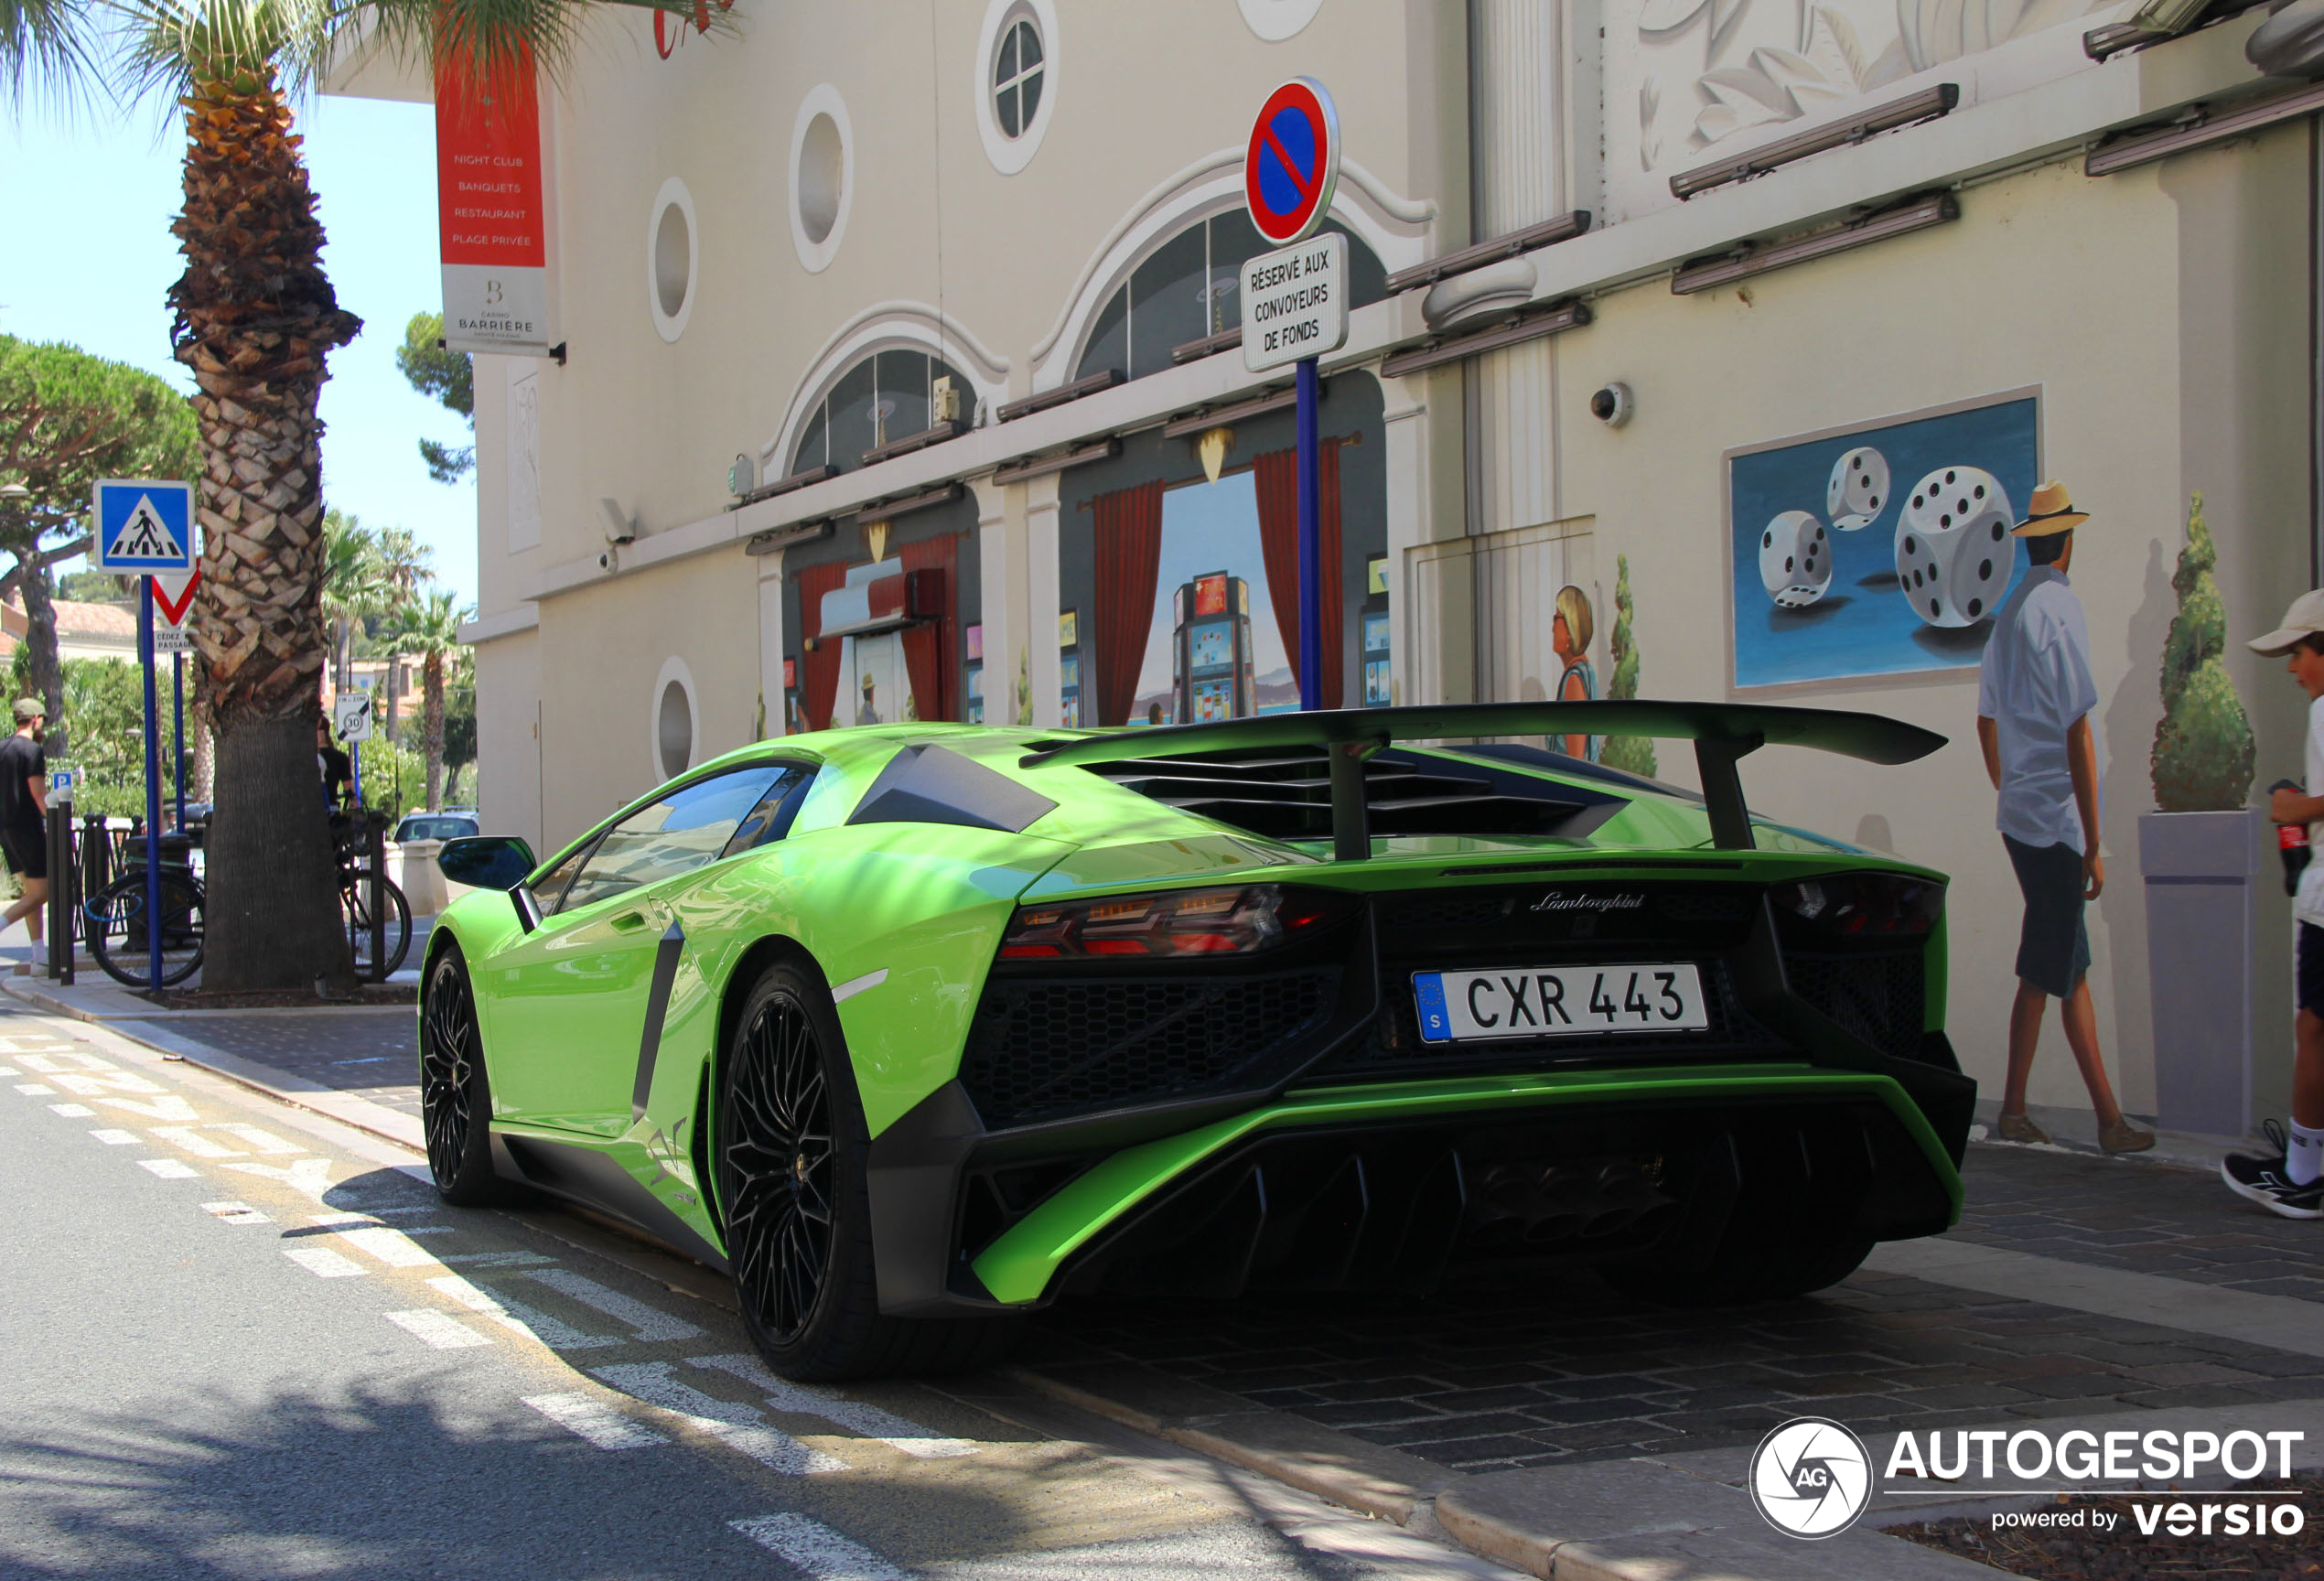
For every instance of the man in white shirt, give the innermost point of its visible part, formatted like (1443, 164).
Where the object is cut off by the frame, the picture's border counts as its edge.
(2290, 1179)
(2035, 698)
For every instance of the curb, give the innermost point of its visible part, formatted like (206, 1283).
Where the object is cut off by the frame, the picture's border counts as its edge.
(375, 1119)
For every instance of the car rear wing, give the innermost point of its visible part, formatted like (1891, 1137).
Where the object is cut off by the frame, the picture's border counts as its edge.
(1723, 734)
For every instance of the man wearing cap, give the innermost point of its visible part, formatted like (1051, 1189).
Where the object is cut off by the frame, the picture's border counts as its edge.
(2035, 697)
(24, 809)
(2289, 1177)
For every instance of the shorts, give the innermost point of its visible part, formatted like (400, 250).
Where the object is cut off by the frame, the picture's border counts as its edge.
(26, 858)
(2311, 975)
(2053, 947)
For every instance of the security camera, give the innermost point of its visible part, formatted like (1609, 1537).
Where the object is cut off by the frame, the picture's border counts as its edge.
(1611, 404)
(608, 559)
(620, 527)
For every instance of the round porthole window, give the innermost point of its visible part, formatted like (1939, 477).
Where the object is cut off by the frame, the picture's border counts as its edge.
(673, 258)
(822, 174)
(1015, 79)
(673, 720)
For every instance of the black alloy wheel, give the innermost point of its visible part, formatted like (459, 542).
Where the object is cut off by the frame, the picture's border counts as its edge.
(456, 1096)
(779, 1153)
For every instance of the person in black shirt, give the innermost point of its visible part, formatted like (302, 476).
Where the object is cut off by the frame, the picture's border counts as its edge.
(337, 771)
(24, 810)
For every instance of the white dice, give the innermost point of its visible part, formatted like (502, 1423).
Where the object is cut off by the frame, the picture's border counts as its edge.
(1859, 487)
(1955, 554)
(1795, 560)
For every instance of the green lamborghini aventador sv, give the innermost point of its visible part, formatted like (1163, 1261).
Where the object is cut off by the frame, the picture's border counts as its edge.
(915, 1027)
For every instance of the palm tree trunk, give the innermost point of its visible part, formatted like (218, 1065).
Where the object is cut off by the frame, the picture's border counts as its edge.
(256, 318)
(432, 718)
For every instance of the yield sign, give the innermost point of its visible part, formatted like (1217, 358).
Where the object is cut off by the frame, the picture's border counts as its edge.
(174, 594)
(1293, 162)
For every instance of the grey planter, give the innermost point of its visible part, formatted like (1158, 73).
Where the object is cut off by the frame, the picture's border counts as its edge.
(2203, 870)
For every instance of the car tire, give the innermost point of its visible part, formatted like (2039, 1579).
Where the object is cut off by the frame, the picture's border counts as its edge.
(455, 1094)
(793, 1152)
(1742, 1271)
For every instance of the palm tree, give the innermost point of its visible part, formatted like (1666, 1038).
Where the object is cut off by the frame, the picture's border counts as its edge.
(256, 320)
(404, 567)
(430, 633)
(354, 586)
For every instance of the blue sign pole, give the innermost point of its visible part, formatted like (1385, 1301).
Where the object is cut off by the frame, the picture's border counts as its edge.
(178, 715)
(355, 768)
(153, 783)
(1310, 545)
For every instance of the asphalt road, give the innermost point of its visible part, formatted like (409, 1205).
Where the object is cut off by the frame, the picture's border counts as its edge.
(242, 1341)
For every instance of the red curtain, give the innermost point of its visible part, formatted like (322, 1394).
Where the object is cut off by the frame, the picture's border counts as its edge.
(1277, 475)
(929, 646)
(1129, 560)
(818, 662)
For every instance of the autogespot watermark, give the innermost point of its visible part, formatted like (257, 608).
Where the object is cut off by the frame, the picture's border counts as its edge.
(1812, 1477)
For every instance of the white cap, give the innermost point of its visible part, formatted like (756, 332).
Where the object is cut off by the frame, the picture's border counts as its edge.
(2304, 619)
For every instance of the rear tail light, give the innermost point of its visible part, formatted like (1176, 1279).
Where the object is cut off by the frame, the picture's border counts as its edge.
(1864, 905)
(1179, 922)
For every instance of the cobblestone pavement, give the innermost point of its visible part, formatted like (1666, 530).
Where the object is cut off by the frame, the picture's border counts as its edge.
(2150, 1220)
(1484, 1382)
(370, 1053)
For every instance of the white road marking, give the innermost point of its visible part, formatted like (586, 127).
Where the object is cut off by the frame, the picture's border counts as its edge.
(855, 986)
(194, 1142)
(312, 1175)
(103, 1083)
(36, 1089)
(117, 1138)
(169, 1168)
(518, 1318)
(236, 1213)
(49, 1064)
(870, 1421)
(324, 1263)
(646, 1322)
(736, 1426)
(168, 1109)
(73, 1111)
(499, 1259)
(9, 1071)
(391, 1247)
(588, 1417)
(812, 1546)
(439, 1330)
(265, 1141)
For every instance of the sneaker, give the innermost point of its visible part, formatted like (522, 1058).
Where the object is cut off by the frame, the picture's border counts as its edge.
(2021, 1128)
(2264, 1182)
(2272, 1154)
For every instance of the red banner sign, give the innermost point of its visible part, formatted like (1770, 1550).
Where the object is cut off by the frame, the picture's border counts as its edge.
(492, 211)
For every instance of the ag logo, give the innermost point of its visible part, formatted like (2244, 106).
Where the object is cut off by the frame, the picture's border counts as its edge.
(1811, 1478)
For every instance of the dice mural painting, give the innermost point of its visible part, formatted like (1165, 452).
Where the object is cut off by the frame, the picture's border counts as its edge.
(1887, 578)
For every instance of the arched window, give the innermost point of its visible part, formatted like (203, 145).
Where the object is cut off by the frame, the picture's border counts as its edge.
(1186, 288)
(886, 396)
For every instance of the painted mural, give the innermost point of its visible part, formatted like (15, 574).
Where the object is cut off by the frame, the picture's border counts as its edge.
(1685, 77)
(1880, 550)
(1214, 650)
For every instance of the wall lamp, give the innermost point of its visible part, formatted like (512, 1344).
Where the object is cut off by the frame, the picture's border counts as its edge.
(1549, 233)
(2199, 131)
(1042, 465)
(881, 510)
(1227, 416)
(1929, 102)
(1436, 353)
(1920, 214)
(782, 538)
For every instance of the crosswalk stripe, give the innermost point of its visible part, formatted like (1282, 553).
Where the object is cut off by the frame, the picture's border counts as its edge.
(391, 1247)
(265, 1141)
(870, 1421)
(169, 1168)
(518, 1317)
(594, 1420)
(324, 1263)
(736, 1426)
(812, 1546)
(439, 1330)
(112, 1138)
(648, 1323)
(194, 1142)
(36, 1089)
(72, 1110)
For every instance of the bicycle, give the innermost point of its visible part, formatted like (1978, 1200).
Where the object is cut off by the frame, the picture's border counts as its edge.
(115, 921)
(349, 844)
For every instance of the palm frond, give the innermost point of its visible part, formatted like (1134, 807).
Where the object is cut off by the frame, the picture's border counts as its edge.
(47, 48)
(484, 42)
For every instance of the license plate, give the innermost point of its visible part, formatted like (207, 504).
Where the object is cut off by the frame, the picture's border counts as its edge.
(1559, 1001)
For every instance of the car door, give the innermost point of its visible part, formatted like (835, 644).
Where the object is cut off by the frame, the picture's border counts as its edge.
(570, 1001)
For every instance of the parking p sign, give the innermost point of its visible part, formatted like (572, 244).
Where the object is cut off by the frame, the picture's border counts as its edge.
(143, 524)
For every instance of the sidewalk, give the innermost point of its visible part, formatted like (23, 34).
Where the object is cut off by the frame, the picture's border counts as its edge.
(1566, 1430)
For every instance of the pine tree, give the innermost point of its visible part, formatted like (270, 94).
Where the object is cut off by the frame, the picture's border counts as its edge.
(1633, 753)
(2203, 758)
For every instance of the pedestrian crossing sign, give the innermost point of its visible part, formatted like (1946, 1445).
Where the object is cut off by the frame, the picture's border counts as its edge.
(144, 524)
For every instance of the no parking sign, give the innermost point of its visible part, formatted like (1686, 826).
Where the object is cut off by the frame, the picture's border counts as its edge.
(1293, 162)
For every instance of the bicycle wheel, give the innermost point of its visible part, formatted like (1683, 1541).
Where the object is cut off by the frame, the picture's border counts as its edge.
(355, 910)
(121, 942)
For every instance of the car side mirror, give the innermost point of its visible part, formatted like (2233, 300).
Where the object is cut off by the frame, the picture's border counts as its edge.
(486, 861)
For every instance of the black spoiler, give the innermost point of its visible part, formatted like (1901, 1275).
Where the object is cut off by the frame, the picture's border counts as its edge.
(1723, 733)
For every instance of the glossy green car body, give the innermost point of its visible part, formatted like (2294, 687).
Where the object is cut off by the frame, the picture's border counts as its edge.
(602, 1027)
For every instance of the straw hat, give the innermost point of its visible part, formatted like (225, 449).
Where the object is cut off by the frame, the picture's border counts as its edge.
(2050, 512)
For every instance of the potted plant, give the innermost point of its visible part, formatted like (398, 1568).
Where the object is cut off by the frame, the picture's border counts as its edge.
(2201, 854)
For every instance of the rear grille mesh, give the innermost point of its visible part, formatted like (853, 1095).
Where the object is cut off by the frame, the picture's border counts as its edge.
(1041, 1050)
(1877, 997)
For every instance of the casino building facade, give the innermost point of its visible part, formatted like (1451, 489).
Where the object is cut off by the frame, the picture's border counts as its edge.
(1706, 345)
